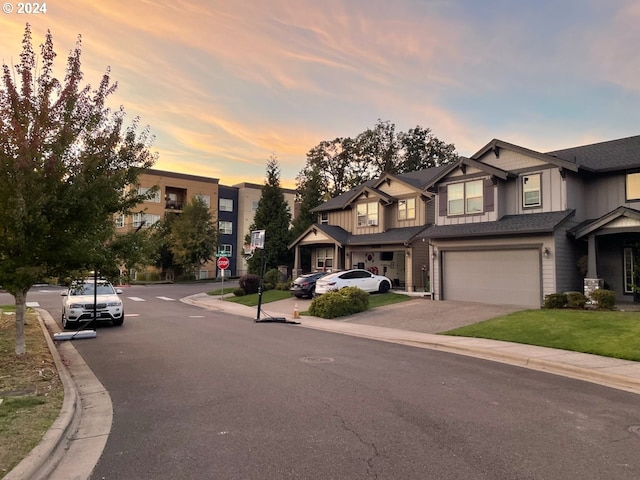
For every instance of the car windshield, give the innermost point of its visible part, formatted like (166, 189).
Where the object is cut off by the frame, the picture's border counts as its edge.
(87, 289)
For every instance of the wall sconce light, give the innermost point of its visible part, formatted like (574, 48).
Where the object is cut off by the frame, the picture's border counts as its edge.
(546, 251)
(408, 253)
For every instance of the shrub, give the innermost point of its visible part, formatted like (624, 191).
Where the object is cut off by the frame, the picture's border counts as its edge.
(576, 300)
(343, 302)
(283, 286)
(249, 283)
(238, 292)
(606, 299)
(555, 300)
(268, 286)
(273, 277)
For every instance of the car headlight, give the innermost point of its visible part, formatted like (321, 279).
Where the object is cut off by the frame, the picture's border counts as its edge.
(114, 304)
(75, 305)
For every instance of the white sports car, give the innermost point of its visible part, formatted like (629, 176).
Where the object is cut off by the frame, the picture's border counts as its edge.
(363, 279)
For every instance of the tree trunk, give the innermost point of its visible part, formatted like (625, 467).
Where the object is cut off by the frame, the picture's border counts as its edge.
(21, 305)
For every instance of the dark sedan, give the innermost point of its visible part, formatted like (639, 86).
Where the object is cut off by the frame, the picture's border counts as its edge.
(305, 285)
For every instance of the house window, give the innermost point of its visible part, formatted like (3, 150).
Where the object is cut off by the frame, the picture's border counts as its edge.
(155, 197)
(226, 205)
(531, 191)
(465, 197)
(324, 258)
(144, 219)
(119, 221)
(628, 270)
(226, 228)
(367, 214)
(225, 250)
(406, 209)
(633, 186)
(324, 218)
(206, 199)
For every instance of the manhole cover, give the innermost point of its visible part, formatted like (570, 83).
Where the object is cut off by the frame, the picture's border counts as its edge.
(317, 359)
(635, 429)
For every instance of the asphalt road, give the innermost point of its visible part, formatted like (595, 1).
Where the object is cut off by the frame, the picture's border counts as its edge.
(199, 394)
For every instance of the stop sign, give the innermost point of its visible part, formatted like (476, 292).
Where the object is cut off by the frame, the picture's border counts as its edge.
(223, 263)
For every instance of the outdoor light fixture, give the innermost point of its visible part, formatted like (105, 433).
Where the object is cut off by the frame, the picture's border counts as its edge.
(546, 251)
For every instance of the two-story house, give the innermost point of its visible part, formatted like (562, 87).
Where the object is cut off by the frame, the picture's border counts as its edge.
(510, 225)
(372, 226)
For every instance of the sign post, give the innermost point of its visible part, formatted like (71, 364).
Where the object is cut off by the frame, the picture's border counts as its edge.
(223, 264)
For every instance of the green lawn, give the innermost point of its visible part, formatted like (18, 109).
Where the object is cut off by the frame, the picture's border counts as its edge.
(268, 296)
(611, 334)
(221, 291)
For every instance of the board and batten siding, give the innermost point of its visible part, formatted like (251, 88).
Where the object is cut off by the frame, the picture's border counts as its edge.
(605, 194)
(566, 256)
(510, 160)
(341, 218)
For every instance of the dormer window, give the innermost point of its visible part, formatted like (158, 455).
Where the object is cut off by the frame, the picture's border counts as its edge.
(367, 214)
(407, 209)
(465, 198)
(531, 196)
(324, 218)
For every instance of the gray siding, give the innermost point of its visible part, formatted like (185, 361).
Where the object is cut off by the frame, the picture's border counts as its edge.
(567, 253)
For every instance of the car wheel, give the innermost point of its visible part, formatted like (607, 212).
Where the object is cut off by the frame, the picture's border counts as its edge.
(384, 287)
(117, 322)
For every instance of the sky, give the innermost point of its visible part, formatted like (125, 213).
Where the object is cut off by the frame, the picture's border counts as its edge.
(226, 84)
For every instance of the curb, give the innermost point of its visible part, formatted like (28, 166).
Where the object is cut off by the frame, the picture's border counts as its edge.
(42, 460)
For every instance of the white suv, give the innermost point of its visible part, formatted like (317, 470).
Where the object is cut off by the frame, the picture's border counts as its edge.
(77, 303)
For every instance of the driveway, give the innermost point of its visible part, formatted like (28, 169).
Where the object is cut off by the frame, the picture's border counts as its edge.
(417, 315)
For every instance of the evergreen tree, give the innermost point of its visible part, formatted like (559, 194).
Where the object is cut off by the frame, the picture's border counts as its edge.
(309, 195)
(274, 217)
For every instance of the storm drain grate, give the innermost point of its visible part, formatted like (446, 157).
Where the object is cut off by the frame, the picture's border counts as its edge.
(635, 429)
(316, 359)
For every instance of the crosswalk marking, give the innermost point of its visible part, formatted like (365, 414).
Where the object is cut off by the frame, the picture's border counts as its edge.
(167, 299)
(131, 314)
(137, 299)
(32, 304)
(196, 316)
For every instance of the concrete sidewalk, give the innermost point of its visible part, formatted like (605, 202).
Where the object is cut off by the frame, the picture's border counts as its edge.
(416, 322)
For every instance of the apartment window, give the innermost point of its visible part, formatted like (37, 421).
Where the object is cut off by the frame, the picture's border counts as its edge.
(324, 218)
(531, 191)
(465, 198)
(226, 228)
(226, 205)
(144, 219)
(254, 205)
(633, 186)
(407, 209)
(367, 214)
(155, 198)
(206, 199)
(225, 250)
(119, 221)
(324, 258)
(628, 270)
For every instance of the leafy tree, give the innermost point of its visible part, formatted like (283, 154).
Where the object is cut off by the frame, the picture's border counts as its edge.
(193, 238)
(345, 163)
(67, 161)
(273, 216)
(132, 250)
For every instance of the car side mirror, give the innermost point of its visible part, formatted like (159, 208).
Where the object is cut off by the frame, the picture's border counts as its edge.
(64, 294)
(119, 291)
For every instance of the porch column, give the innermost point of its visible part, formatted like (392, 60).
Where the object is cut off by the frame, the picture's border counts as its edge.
(296, 258)
(591, 260)
(337, 260)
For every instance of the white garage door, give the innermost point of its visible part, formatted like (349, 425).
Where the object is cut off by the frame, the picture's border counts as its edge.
(510, 277)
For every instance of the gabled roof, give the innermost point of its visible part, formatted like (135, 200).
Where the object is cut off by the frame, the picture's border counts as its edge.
(344, 199)
(612, 155)
(383, 196)
(495, 145)
(495, 171)
(338, 234)
(589, 226)
(420, 179)
(508, 225)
